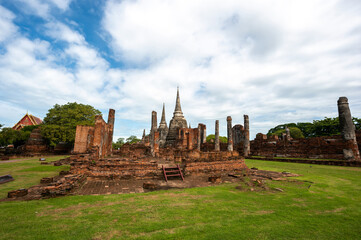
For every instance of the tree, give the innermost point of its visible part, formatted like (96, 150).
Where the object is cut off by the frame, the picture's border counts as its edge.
(306, 128)
(279, 128)
(324, 127)
(15, 137)
(8, 136)
(132, 139)
(60, 122)
(295, 132)
(211, 137)
(118, 143)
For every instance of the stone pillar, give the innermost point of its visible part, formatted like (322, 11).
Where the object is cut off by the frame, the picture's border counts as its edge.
(288, 134)
(111, 119)
(216, 137)
(199, 137)
(351, 151)
(152, 132)
(98, 135)
(246, 146)
(204, 133)
(154, 121)
(229, 134)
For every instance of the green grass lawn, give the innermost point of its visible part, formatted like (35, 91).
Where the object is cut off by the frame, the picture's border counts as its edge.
(328, 209)
(27, 172)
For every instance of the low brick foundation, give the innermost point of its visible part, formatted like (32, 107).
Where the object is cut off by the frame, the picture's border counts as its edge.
(312, 161)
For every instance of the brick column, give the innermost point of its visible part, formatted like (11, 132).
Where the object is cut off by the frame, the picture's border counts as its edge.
(216, 137)
(229, 134)
(111, 119)
(246, 146)
(351, 151)
(199, 137)
(152, 132)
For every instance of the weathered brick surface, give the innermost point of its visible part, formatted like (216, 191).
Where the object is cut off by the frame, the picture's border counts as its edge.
(47, 180)
(220, 166)
(83, 138)
(63, 186)
(17, 193)
(116, 168)
(97, 139)
(328, 147)
(147, 167)
(133, 150)
(35, 144)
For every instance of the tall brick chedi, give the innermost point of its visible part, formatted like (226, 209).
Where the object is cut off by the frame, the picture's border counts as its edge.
(178, 121)
(351, 151)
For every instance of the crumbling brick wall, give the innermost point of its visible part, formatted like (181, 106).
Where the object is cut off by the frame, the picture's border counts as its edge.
(328, 147)
(136, 150)
(191, 161)
(187, 138)
(96, 139)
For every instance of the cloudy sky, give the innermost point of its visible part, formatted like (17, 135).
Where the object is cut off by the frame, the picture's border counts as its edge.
(277, 61)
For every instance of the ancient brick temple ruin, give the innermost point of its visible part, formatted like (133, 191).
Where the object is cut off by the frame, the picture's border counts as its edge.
(178, 147)
(345, 146)
(179, 136)
(165, 146)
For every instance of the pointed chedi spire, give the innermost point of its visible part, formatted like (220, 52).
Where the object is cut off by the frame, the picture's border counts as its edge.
(163, 123)
(178, 121)
(163, 114)
(178, 109)
(163, 129)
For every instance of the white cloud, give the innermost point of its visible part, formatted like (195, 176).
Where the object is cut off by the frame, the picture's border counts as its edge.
(277, 61)
(7, 28)
(42, 8)
(61, 4)
(280, 60)
(60, 31)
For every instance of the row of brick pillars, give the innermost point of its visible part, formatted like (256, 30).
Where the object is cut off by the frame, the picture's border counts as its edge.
(246, 146)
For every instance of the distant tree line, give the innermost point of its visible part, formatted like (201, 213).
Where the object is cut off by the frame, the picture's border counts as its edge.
(59, 125)
(9, 136)
(324, 127)
(120, 142)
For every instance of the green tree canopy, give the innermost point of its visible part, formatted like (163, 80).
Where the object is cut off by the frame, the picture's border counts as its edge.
(295, 132)
(211, 137)
(324, 127)
(15, 137)
(118, 143)
(132, 139)
(60, 122)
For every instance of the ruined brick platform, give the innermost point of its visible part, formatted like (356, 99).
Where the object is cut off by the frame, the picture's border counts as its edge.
(332, 162)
